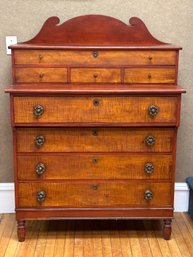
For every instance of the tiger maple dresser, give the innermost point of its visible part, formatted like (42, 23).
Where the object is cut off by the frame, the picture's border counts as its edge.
(95, 108)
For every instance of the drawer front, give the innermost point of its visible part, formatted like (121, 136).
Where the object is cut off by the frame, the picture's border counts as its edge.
(95, 140)
(99, 57)
(94, 166)
(93, 194)
(95, 75)
(39, 75)
(150, 75)
(96, 109)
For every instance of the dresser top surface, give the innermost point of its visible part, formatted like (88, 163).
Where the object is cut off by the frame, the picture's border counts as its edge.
(96, 31)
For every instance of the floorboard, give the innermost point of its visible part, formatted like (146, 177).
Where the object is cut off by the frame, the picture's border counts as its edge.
(142, 238)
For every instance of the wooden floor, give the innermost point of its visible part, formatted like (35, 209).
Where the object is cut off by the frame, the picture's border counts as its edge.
(96, 238)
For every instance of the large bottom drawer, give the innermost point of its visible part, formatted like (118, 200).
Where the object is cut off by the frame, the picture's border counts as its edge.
(94, 194)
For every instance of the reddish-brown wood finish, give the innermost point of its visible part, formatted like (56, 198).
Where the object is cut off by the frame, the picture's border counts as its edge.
(96, 79)
(94, 30)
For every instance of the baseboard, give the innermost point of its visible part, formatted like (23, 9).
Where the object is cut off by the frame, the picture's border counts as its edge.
(7, 205)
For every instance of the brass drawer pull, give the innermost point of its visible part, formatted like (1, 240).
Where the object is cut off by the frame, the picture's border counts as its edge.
(40, 57)
(41, 75)
(148, 195)
(149, 168)
(41, 196)
(38, 110)
(149, 76)
(96, 102)
(40, 168)
(95, 75)
(153, 110)
(95, 54)
(39, 140)
(150, 58)
(94, 160)
(95, 133)
(150, 140)
(94, 186)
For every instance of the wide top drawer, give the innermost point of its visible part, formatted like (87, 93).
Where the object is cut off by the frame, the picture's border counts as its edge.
(136, 110)
(94, 57)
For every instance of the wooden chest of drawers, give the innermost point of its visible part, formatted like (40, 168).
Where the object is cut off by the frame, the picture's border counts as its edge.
(95, 112)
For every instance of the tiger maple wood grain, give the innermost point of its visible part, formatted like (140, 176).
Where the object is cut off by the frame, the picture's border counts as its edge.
(94, 194)
(82, 109)
(85, 57)
(40, 75)
(150, 75)
(94, 166)
(95, 75)
(106, 140)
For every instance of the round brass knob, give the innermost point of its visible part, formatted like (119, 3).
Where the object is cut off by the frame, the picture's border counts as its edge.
(94, 160)
(95, 75)
(94, 186)
(95, 133)
(41, 75)
(40, 57)
(40, 168)
(95, 54)
(149, 76)
(38, 110)
(96, 102)
(39, 140)
(150, 140)
(41, 196)
(148, 195)
(153, 110)
(149, 168)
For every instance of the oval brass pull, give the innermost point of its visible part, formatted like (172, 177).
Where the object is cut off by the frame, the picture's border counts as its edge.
(40, 57)
(148, 195)
(95, 133)
(149, 76)
(150, 58)
(96, 102)
(153, 110)
(94, 160)
(41, 196)
(39, 140)
(95, 54)
(41, 75)
(38, 110)
(40, 168)
(94, 186)
(150, 140)
(149, 168)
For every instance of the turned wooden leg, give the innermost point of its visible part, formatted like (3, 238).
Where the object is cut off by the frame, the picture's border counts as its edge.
(167, 228)
(21, 230)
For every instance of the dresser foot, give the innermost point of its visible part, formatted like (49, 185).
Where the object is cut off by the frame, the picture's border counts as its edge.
(21, 230)
(167, 228)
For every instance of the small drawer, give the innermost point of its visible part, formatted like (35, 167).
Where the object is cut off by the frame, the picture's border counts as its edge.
(94, 194)
(150, 75)
(94, 57)
(95, 140)
(40, 75)
(94, 166)
(95, 75)
(139, 110)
